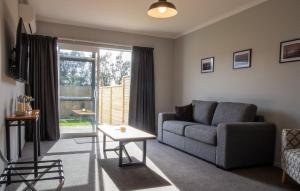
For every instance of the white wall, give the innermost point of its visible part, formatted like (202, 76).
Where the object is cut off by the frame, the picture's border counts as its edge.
(9, 88)
(273, 87)
(163, 53)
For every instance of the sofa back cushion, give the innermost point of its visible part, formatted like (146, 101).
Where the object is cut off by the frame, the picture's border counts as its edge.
(234, 112)
(204, 111)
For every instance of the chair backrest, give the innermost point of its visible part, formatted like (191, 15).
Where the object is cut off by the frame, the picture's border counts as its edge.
(290, 139)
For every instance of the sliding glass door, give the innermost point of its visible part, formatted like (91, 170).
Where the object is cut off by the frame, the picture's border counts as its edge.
(94, 88)
(113, 86)
(77, 95)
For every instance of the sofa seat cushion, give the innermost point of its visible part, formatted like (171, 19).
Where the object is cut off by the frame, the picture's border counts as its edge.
(203, 133)
(204, 111)
(176, 127)
(234, 112)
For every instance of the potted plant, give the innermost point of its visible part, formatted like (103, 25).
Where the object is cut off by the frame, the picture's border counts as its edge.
(28, 100)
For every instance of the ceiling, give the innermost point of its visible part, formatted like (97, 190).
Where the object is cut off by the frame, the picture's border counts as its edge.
(131, 15)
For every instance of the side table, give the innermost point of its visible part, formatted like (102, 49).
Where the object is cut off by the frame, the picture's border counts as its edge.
(32, 118)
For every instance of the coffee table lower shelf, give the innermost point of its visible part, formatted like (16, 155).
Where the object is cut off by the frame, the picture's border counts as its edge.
(122, 148)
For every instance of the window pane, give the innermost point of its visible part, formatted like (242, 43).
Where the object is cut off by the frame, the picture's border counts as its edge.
(114, 86)
(114, 65)
(73, 53)
(75, 73)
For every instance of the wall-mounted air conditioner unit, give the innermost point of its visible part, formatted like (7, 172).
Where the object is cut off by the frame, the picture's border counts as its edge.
(28, 15)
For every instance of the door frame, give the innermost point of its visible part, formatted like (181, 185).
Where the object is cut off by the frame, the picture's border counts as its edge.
(93, 96)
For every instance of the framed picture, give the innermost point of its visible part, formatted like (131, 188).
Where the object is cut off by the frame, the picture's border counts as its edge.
(290, 51)
(207, 65)
(242, 59)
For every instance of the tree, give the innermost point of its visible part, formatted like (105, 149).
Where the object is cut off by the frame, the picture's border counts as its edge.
(105, 73)
(74, 72)
(113, 69)
(123, 68)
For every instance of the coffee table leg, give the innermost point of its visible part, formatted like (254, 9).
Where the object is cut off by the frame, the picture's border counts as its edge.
(120, 154)
(104, 142)
(144, 151)
(127, 154)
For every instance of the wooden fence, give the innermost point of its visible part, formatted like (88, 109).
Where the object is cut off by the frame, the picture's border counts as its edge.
(67, 104)
(114, 103)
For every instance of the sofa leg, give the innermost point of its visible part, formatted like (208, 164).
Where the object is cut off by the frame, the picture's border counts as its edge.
(283, 178)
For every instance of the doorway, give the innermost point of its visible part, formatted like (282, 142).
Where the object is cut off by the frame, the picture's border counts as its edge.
(77, 94)
(114, 86)
(94, 88)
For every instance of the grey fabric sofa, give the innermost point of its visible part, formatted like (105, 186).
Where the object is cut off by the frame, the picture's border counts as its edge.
(226, 134)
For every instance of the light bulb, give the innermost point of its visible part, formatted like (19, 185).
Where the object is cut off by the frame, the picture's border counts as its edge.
(162, 9)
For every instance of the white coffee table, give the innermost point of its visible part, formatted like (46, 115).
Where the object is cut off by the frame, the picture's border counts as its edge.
(130, 135)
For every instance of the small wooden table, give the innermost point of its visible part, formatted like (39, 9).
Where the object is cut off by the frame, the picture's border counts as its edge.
(31, 117)
(86, 113)
(83, 113)
(130, 135)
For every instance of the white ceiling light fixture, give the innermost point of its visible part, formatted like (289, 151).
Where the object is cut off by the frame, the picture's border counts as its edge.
(162, 9)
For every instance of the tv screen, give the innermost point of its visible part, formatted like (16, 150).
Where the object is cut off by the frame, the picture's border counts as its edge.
(19, 67)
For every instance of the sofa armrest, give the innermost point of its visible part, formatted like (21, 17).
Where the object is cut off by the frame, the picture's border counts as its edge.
(245, 144)
(164, 116)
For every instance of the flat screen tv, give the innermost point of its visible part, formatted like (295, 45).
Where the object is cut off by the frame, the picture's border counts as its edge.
(18, 68)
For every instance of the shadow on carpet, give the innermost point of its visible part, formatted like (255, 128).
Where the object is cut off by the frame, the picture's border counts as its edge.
(132, 177)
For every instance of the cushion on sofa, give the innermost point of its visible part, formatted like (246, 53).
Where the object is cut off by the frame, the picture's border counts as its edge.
(204, 111)
(184, 113)
(176, 127)
(234, 112)
(203, 133)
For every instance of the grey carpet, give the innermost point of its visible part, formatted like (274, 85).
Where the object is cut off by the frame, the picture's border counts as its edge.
(88, 169)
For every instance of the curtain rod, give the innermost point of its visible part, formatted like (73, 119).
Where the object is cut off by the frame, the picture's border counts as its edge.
(86, 42)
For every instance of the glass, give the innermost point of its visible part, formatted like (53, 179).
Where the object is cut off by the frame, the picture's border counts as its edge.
(76, 76)
(114, 65)
(113, 86)
(76, 54)
(20, 106)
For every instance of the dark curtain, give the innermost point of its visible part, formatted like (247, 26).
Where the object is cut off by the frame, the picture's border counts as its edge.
(43, 84)
(142, 94)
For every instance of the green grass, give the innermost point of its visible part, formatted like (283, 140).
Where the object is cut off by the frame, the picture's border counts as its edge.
(74, 122)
